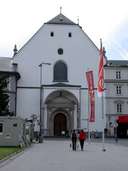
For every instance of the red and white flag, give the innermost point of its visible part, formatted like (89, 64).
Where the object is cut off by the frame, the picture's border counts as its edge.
(90, 81)
(100, 87)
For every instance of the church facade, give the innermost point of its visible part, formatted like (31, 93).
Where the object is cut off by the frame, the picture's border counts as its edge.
(52, 84)
(49, 74)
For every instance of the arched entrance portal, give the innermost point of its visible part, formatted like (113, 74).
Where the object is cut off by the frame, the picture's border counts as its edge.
(60, 124)
(62, 113)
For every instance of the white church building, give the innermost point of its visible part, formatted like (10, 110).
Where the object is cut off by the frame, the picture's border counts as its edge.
(50, 79)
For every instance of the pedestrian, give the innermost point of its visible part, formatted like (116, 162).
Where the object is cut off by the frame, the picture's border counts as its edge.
(36, 131)
(115, 134)
(82, 137)
(74, 140)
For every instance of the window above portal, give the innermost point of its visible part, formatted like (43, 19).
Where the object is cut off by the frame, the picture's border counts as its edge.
(60, 72)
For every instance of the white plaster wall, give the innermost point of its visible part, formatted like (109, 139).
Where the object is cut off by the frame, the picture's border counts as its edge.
(79, 54)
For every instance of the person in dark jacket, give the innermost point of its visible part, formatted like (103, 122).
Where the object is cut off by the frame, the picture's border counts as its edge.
(82, 137)
(74, 140)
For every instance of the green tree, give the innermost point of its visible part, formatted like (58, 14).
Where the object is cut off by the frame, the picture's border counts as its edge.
(4, 97)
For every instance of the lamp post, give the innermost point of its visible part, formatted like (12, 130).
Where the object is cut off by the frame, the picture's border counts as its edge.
(41, 101)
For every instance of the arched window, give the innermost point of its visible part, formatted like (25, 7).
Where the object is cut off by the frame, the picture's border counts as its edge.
(60, 72)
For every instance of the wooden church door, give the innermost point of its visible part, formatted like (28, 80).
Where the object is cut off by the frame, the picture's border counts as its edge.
(60, 124)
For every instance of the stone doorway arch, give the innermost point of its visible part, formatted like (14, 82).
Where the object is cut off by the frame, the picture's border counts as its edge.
(62, 112)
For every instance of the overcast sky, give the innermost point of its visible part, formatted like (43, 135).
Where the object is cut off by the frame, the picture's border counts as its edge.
(106, 19)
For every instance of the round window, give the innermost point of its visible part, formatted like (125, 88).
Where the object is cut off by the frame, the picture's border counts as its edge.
(60, 51)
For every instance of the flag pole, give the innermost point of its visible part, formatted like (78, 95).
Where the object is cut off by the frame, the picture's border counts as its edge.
(88, 121)
(101, 88)
(88, 115)
(103, 139)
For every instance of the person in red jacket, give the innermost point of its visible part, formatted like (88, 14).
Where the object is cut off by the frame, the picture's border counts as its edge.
(82, 137)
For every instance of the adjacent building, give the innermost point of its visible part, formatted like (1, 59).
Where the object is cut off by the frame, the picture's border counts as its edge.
(116, 96)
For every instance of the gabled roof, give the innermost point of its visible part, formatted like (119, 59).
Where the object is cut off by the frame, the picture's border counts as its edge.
(61, 19)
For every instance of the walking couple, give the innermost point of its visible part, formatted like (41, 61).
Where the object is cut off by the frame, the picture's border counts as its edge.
(75, 136)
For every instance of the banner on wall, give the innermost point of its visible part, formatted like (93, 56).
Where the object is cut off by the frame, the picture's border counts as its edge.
(90, 81)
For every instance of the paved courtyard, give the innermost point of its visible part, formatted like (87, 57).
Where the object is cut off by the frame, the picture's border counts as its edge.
(55, 155)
